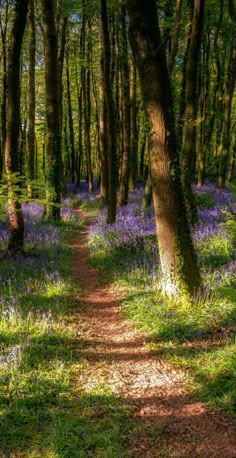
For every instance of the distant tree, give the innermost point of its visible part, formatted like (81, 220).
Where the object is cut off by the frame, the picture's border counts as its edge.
(191, 107)
(125, 79)
(110, 114)
(32, 100)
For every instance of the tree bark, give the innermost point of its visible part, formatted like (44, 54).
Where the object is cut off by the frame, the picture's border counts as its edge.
(229, 87)
(178, 260)
(191, 104)
(32, 102)
(111, 136)
(71, 122)
(102, 122)
(53, 156)
(133, 126)
(175, 37)
(125, 165)
(3, 28)
(16, 239)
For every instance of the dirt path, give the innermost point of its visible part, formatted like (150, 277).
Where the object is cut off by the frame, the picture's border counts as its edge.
(157, 394)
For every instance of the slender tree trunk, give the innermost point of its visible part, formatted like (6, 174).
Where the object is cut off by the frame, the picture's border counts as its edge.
(178, 259)
(125, 167)
(133, 126)
(86, 85)
(191, 96)
(111, 134)
(31, 98)
(80, 137)
(61, 59)
(227, 103)
(147, 196)
(175, 37)
(53, 156)
(16, 239)
(61, 28)
(102, 122)
(182, 103)
(71, 122)
(3, 28)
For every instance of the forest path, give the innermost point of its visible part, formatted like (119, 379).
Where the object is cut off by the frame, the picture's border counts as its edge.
(166, 422)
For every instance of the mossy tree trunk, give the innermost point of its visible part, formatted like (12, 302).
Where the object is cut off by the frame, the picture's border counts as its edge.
(3, 30)
(71, 122)
(125, 92)
(16, 239)
(86, 85)
(53, 155)
(110, 112)
(32, 101)
(229, 87)
(178, 260)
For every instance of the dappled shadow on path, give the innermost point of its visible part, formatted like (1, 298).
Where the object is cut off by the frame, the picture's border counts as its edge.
(164, 419)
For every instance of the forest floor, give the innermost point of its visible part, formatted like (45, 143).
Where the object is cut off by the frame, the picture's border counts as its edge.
(159, 416)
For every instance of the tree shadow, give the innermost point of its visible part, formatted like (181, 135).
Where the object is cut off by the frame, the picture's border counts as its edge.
(47, 419)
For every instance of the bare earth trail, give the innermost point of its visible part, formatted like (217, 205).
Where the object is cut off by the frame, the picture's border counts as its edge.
(157, 394)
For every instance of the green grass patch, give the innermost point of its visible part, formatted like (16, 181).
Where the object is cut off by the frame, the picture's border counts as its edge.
(205, 200)
(44, 410)
(200, 336)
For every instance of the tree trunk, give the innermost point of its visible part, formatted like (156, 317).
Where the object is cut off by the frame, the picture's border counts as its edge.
(133, 126)
(53, 155)
(125, 166)
(111, 134)
(230, 82)
(178, 260)
(102, 122)
(16, 239)
(86, 86)
(71, 122)
(31, 98)
(191, 105)
(175, 37)
(3, 28)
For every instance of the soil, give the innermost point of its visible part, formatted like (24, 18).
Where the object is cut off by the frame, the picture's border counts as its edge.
(166, 421)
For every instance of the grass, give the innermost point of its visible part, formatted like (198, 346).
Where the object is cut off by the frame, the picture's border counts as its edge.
(44, 408)
(199, 336)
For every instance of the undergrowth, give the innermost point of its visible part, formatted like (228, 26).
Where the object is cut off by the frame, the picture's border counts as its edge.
(44, 409)
(199, 336)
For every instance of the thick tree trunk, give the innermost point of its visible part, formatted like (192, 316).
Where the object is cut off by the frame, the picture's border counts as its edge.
(111, 135)
(53, 156)
(16, 239)
(31, 98)
(178, 259)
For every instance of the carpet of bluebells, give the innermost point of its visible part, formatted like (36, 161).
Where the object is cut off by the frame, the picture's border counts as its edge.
(198, 335)
(25, 276)
(44, 410)
(214, 235)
